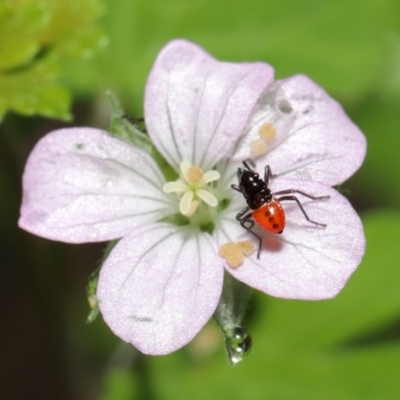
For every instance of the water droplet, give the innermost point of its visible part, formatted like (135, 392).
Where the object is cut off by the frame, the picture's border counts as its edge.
(238, 344)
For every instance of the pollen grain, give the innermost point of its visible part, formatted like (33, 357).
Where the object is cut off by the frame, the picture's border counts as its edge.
(234, 252)
(267, 131)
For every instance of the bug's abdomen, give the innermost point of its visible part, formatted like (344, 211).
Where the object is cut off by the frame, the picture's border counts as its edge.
(270, 217)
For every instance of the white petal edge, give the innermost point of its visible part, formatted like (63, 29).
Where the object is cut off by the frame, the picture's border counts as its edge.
(305, 262)
(323, 144)
(196, 107)
(159, 286)
(84, 185)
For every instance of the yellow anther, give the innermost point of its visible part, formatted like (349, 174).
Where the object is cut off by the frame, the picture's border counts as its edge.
(258, 147)
(194, 174)
(192, 208)
(246, 247)
(267, 131)
(234, 252)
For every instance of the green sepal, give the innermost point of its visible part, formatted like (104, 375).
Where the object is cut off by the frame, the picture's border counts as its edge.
(93, 280)
(122, 126)
(134, 131)
(91, 289)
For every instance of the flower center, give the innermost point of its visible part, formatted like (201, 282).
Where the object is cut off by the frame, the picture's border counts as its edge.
(194, 175)
(193, 187)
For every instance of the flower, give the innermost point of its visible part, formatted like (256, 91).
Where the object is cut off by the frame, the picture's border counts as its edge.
(192, 183)
(162, 281)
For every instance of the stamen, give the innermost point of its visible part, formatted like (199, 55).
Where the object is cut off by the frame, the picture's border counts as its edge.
(185, 203)
(234, 252)
(267, 131)
(246, 247)
(211, 176)
(265, 142)
(258, 147)
(192, 187)
(194, 205)
(207, 197)
(177, 187)
(194, 175)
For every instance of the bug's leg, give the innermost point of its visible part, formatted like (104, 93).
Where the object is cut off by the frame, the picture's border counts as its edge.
(247, 162)
(267, 174)
(236, 187)
(241, 214)
(246, 165)
(290, 191)
(239, 174)
(294, 198)
(244, 219)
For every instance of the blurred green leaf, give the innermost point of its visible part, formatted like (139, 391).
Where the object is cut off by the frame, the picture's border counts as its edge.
(340, 45)
(34, 34)
(20, 23)
(391, 84)
(34, 91)
(85, 44)
(358, 375)
(375, 183)
(70, 31)
(119, 384)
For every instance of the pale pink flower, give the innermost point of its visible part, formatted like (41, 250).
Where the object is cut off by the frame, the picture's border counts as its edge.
(162, 282)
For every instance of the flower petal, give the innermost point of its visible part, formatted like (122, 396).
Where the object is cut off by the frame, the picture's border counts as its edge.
(196, 107)
(159, 286)
(306, 261)
(314, 135)
(81, 185)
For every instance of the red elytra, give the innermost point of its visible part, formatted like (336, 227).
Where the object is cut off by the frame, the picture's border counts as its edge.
(270, 216)
(263, 206)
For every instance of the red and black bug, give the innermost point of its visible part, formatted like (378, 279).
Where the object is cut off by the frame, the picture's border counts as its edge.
(263, 206)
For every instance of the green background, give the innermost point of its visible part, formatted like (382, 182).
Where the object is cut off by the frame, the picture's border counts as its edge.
(57, 53)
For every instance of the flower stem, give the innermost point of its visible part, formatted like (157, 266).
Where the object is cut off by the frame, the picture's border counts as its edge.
(230, 315)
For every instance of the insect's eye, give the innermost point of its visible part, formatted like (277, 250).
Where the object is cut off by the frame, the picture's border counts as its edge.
(256, 175)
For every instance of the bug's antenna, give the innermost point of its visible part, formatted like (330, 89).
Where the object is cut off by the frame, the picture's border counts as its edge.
(249, 161)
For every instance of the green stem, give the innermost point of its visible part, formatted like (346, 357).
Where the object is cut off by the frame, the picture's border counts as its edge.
(233, 304)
